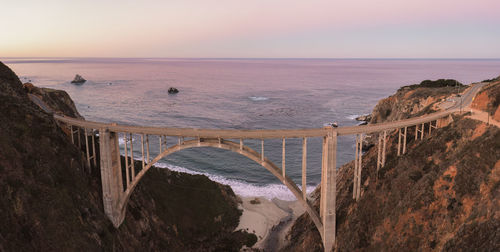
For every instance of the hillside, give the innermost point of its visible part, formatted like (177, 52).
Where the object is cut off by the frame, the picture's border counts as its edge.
(50, 201)
(488, 99)
(442, 195)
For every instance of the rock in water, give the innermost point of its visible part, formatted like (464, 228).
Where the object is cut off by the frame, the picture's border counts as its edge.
(78, 80)
(364, 118)
(173, 90)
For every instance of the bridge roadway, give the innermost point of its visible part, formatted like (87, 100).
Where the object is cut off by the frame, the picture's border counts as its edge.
(118, 188)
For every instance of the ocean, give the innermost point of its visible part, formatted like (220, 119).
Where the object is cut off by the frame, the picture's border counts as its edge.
(241, 94)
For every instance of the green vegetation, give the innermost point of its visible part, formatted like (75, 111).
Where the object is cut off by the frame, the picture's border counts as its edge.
(433, 84)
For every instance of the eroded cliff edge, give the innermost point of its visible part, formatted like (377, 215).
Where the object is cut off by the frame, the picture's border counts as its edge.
(50, 201)
(442, 195)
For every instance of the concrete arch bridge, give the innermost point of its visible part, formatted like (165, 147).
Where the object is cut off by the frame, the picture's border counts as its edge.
(117, 189)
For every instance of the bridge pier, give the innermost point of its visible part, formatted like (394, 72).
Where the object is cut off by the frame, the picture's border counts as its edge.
(382, 141)
(404, 141)
(401, 135)
(356, 192)
(329, 190)
(355, 173)
(422, 132)
(111, 176)
(304, 168)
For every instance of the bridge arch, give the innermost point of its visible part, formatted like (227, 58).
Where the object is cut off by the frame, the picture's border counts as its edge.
(234, 147)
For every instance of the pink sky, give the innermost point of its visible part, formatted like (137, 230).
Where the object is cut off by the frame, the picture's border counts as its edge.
(355, 28)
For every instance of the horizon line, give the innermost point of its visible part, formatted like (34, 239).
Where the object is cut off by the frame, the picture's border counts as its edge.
(261, 58)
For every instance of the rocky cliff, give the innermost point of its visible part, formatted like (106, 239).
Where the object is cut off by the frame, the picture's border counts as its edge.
(58, 100)
(442, 195)
(488, 99)
(414, 100)
(50, 201)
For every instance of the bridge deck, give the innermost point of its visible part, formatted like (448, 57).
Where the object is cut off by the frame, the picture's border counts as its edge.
(253, 134)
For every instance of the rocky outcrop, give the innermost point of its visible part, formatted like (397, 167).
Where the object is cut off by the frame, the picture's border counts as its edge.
(58, 100)
(49, 201)
(364, 118)
(410, 101)
(442, 195)
(488, 99)
(173, 90)
(414, 100)
(78, 80)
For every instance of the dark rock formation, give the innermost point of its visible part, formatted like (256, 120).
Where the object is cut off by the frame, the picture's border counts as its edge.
(78, 80)
(443, 194)
(173, 90)
(49, 200)
(364, 118)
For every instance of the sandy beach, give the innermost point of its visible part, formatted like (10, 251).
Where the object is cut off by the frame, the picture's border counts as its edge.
(269, 220)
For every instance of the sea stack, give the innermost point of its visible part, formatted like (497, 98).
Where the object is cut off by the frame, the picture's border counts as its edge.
(173, 90)
(78, 80)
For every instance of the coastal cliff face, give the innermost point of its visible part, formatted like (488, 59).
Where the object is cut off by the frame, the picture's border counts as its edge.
(50, 201)
(488, 99)
(414, 100)
(57, 100)
(442, 195)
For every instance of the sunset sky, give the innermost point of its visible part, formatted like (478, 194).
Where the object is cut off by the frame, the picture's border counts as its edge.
(257, 28)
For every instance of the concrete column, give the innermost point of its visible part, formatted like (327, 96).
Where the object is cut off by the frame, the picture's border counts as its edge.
(404, 141)
(93, 148)
(283, 161)
(127, 175)
(79, 142)
(329, 183)
(384, 147)
(399, 142)
(132, 172)
(111, 176)
(87, 148)
(323, 173)
(142, 151)
(262, 150)
(355, 173)
(161, 142)
(360, 166)
(72, 134)
(422, 132)
(416, 132)
(379, 150)
(304, 168)
(147, 148)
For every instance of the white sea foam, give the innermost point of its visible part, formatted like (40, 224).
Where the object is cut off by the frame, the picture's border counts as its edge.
(258, 98)
(352, 117)
(242, 188)
(121, 139)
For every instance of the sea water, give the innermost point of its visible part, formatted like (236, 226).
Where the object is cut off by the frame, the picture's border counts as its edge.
(240, 94)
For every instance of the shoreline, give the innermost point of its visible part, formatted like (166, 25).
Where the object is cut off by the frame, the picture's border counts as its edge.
(269, 220)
